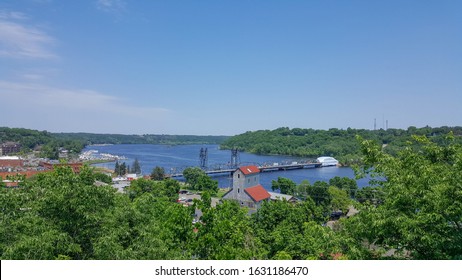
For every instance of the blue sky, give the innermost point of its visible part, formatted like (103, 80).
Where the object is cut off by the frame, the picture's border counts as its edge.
(225, 67)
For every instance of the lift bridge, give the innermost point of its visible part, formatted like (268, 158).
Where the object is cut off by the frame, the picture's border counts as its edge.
(227, 168)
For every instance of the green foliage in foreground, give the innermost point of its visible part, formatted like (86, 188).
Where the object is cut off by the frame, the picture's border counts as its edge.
(414, 211)
(421, 215)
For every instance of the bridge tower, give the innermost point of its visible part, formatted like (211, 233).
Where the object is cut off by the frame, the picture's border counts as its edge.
(234, 158)
(203, 158)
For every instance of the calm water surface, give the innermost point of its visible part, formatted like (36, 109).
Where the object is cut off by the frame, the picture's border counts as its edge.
(176, 158)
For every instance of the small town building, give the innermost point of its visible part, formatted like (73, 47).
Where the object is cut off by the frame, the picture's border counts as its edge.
(131, 177)
(9, 148)
(246, 187)
(280, 196)
(52, 165)
(10, 162)
(327, 161)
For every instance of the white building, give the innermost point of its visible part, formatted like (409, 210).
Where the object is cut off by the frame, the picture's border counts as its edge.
(279, 196)
(327, 161)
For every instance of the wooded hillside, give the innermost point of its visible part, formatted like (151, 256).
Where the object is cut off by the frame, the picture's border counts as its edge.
(339, 143)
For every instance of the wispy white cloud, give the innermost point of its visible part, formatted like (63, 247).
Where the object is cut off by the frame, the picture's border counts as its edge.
(32, 76)
(111, 6)
(39, 106)
(21, 40)
(40, 73)
(8, 15)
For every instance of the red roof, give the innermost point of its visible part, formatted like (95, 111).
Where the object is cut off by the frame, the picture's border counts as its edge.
(251, 169)
(257, 193)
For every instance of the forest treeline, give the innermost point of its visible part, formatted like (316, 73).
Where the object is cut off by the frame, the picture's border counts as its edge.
(308, 143)
(47, 143)
(92, 138)
(413, 211)
(339, 143)
(51, 143)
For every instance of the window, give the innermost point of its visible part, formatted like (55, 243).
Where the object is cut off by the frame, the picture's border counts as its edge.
(248, 180)
(238, 190)
(238, 175)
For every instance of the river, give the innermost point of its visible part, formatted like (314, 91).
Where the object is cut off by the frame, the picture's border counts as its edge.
(178, 157)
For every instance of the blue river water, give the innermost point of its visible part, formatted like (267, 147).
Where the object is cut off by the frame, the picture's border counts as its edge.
(174, 158)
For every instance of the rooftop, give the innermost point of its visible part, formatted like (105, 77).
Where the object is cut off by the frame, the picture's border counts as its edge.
(250, 169)
(9, 158)
(257, 193)
(280, 196)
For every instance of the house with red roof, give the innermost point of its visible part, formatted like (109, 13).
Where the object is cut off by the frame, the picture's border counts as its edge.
(246, 187)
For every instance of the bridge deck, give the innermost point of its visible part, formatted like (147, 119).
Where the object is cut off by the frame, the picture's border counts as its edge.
(269, 168)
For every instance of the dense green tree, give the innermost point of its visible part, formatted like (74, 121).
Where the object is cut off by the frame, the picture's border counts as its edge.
(192, 175)
(371, 195)
(62, 215)
(339, 199)
(50, 150)
(346, 184)
(136, 167)
(273, 213)
(117, 168)
(56, 215)
(421, 214)
(158, 173)
(122, 169)
(284, 185)
(145, 229)
(225, 233)
(301, 190)
(199, 180)
(205, 183)
(26, 235)
(319, 193)
(167, 189)
(102, 177)
(294, 231)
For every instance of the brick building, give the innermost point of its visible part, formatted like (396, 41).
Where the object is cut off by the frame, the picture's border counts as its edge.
(51, 166)
(9, 148)
(10, 162)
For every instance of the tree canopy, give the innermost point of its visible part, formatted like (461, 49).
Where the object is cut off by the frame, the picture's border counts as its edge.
(412, 210)
(339, 143)
(198, 180)
(421, 212)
